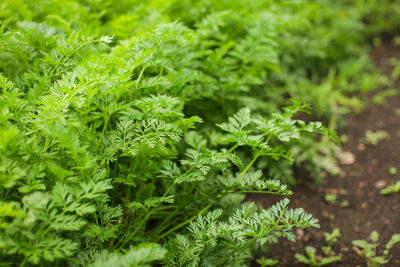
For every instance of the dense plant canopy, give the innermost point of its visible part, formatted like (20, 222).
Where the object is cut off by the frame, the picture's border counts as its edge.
(130, 131)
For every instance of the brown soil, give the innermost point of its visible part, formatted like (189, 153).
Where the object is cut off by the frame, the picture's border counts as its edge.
(368, 209)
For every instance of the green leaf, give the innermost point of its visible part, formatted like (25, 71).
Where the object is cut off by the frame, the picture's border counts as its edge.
(374, 236)
(302, 258)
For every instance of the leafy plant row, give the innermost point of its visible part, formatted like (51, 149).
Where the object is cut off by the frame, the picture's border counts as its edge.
(130, 132)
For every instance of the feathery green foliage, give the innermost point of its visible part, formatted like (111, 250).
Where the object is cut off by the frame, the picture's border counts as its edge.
(130, 132)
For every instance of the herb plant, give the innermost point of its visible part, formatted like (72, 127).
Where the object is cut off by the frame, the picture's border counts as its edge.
(311, 260)
(266, 262)
(331, 239)
(369, 249)
(131, 131)
(374, 138)
(391, 189)
(393, 170)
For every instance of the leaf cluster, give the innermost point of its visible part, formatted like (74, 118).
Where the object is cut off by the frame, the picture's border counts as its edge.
(130, 132)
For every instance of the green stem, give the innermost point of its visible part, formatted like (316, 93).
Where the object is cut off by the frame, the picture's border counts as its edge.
(23, 262)
(95, 218)
(145, 218)
(184, 223)
(161, 214)
(169, 224)
(227, 256)
(65, 57)
(232, 148)
(151, 211)
(209, 205)
(165, 194)
(258, 154)
(140, 75)
(168, 207)
(332, 121)
(254, 192)
(166, 222)
(128, 193)
(279, 154)
(106, 118)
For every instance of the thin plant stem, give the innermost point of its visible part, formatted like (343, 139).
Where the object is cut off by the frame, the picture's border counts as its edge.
(185, 222)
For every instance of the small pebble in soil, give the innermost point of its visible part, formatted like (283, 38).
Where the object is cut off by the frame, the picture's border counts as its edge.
(345, 249)
(332, 191)
(313, 249)
(300, 233)
(362, 184)
(361, 147)
(380, 184)
(318, 257)
(347, 158)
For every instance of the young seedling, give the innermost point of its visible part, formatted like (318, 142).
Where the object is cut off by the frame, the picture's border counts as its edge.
(343, 191)
(380, 97)
(396, 41)
(311, 259)
(264, 262)
(330, 198)
(377, 41)
(395, 62)
(374, 138)
(344, 204)
(391, 189)
(369, 249)
(331, 239)
(328, 251)
(392, 170)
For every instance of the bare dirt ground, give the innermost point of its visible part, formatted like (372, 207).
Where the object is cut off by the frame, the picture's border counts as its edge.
(361, 182)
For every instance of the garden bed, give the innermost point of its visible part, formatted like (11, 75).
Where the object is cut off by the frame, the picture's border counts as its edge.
(359, 184)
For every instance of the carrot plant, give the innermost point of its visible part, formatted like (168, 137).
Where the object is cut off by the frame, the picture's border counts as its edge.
(130, 132)
(369, 249)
